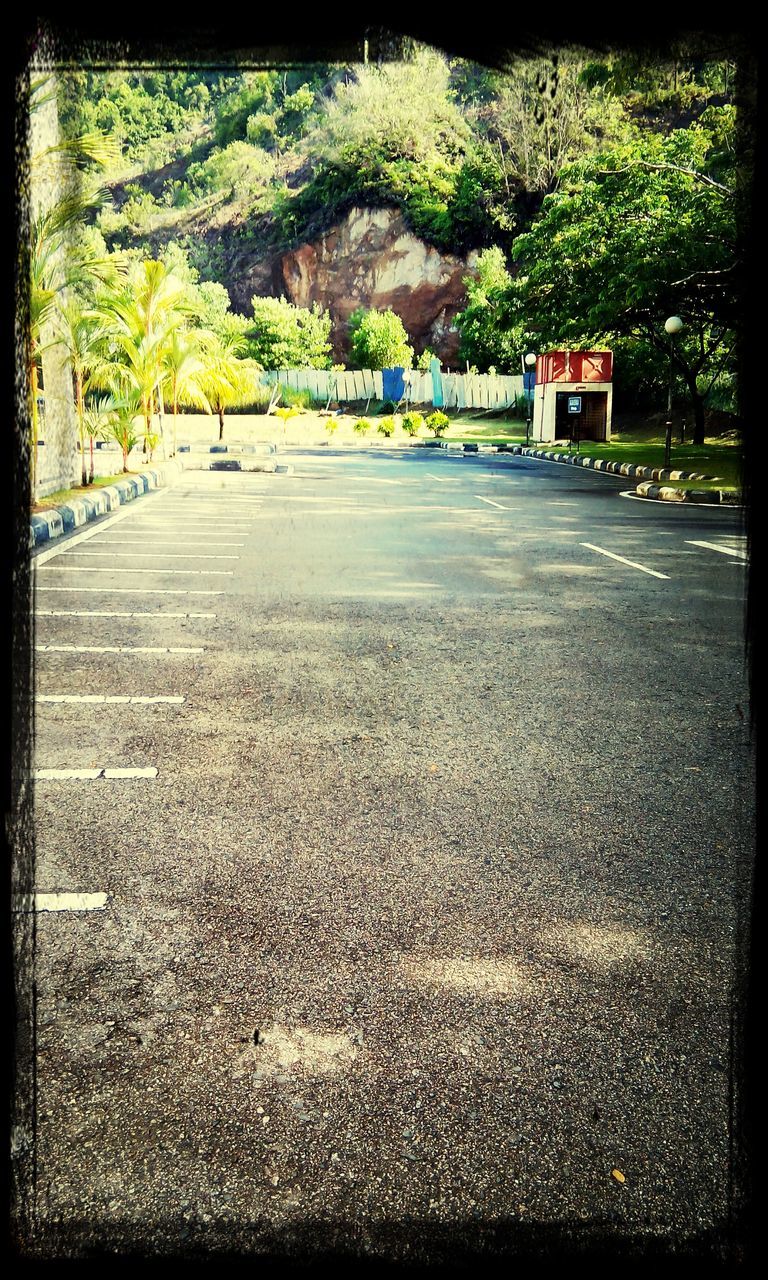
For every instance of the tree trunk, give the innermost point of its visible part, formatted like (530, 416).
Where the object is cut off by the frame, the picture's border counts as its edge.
(33, 459)
(90, 477)
(697, 400)
(81, 427)
(221, 424)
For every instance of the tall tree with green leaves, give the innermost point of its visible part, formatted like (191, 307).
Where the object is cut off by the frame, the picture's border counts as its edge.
(227, 379)
(639, 234)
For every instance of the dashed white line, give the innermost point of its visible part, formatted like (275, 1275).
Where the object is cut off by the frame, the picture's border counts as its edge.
(113, 613)
(717, 546)
(143, 699)
(112, 648)
(136, 591)
(64, 568)
(622, 559)
(150, 555)
(90, 775)
(70, 901)
(491, 502)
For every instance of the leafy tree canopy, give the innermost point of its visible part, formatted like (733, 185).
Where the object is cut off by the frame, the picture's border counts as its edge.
(283, 336)
(378, 340)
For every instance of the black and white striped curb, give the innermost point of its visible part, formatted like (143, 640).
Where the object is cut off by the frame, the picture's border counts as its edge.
(239, 457)
(46, 525)
(629, 469)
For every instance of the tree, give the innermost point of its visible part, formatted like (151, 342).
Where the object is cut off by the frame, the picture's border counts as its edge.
(484, 338)
(82, 336)
(284, 336)
(639, 234)
(226, 379)
(183, 369)
(378, 340)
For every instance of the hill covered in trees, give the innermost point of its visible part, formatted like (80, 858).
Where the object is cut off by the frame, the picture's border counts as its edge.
(530, 176)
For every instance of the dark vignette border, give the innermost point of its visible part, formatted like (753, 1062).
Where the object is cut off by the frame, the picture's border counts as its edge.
(253, 39)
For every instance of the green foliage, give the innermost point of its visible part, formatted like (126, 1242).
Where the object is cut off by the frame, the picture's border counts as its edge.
(485, 336)
(283, 336)
(378, 340)
(412, 422)
(239, 171)
(387, 426)
(301, 397)
(438, 422)
(424, 361)
(362, 426)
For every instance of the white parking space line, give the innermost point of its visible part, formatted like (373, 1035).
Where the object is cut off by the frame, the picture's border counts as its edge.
(140, 699)
(90, 775)
(137, 591)
(70, 901)
(113, 613)
(491, 502)
(632, 563)
(112, 648)
(151, 555)
(42, 556)
(552, 503)
(61, 568)
(167, 542)
(717, 546)
(441, 479)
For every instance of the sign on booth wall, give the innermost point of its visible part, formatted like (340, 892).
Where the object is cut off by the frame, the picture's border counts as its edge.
(574, 404)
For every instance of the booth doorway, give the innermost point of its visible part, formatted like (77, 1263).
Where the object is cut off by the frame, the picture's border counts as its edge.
(590, 424)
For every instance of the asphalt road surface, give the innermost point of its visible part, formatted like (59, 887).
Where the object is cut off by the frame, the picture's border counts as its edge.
(408, 926)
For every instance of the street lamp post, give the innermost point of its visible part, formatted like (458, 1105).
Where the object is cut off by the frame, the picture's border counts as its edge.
(672, 326)
(530, 361)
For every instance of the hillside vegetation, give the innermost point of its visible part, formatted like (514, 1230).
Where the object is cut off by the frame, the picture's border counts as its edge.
(601, 192)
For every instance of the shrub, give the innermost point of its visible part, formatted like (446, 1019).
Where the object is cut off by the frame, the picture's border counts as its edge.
(300, 399)
(437, 422)
(387, 426)
(331, 425)
(412, 422)
(362, 426)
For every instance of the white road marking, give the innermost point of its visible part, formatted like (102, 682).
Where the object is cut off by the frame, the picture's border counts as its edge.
(89, 775)
(151, 555)
(61, 568)
(440, 479)
(716, 546)
(168, 542)
(111, 648)
(70, 901)
(632, 563)
(143, 699)
(113, 613)
(552, 503)
(138, 591)
(491, 502)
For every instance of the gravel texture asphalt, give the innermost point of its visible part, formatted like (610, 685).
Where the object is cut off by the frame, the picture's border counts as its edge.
(423, 944)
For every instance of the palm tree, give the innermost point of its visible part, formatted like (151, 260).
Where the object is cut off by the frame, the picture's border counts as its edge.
(183, 370)
(226, 380)
(82, 335)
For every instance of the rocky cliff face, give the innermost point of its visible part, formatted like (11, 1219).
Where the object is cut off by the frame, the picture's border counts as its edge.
(370, 259)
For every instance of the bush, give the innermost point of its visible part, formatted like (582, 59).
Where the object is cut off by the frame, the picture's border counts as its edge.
(362, 426)
(438, 422)
(387, 426)
(301, 399)
(331, 425)
(412, 422)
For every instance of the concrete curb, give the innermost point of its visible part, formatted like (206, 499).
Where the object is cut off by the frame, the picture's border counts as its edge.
(79, 511)
(647, 489)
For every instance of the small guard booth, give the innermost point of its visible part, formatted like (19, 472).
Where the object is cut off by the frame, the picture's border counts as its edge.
(573, 396)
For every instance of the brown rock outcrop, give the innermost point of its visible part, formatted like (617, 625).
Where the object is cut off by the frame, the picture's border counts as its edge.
(371, 260)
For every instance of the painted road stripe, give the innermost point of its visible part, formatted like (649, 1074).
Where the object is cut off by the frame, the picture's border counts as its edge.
(717, 546)
(150, 555)
(144, 699)
(168, 542)
(70, 901)
(491, 502)
(440, 479)
(87, 568)
(632, 563)
(137, 591)
(111, 648)
(89, 775)
(113, 613)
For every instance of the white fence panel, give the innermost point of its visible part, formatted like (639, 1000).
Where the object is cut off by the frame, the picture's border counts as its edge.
(460, 390)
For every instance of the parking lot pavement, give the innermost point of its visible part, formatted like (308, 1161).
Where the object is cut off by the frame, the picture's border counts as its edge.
(392, 879)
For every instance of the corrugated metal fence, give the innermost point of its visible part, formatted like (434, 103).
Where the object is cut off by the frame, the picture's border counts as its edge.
(460, 390)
